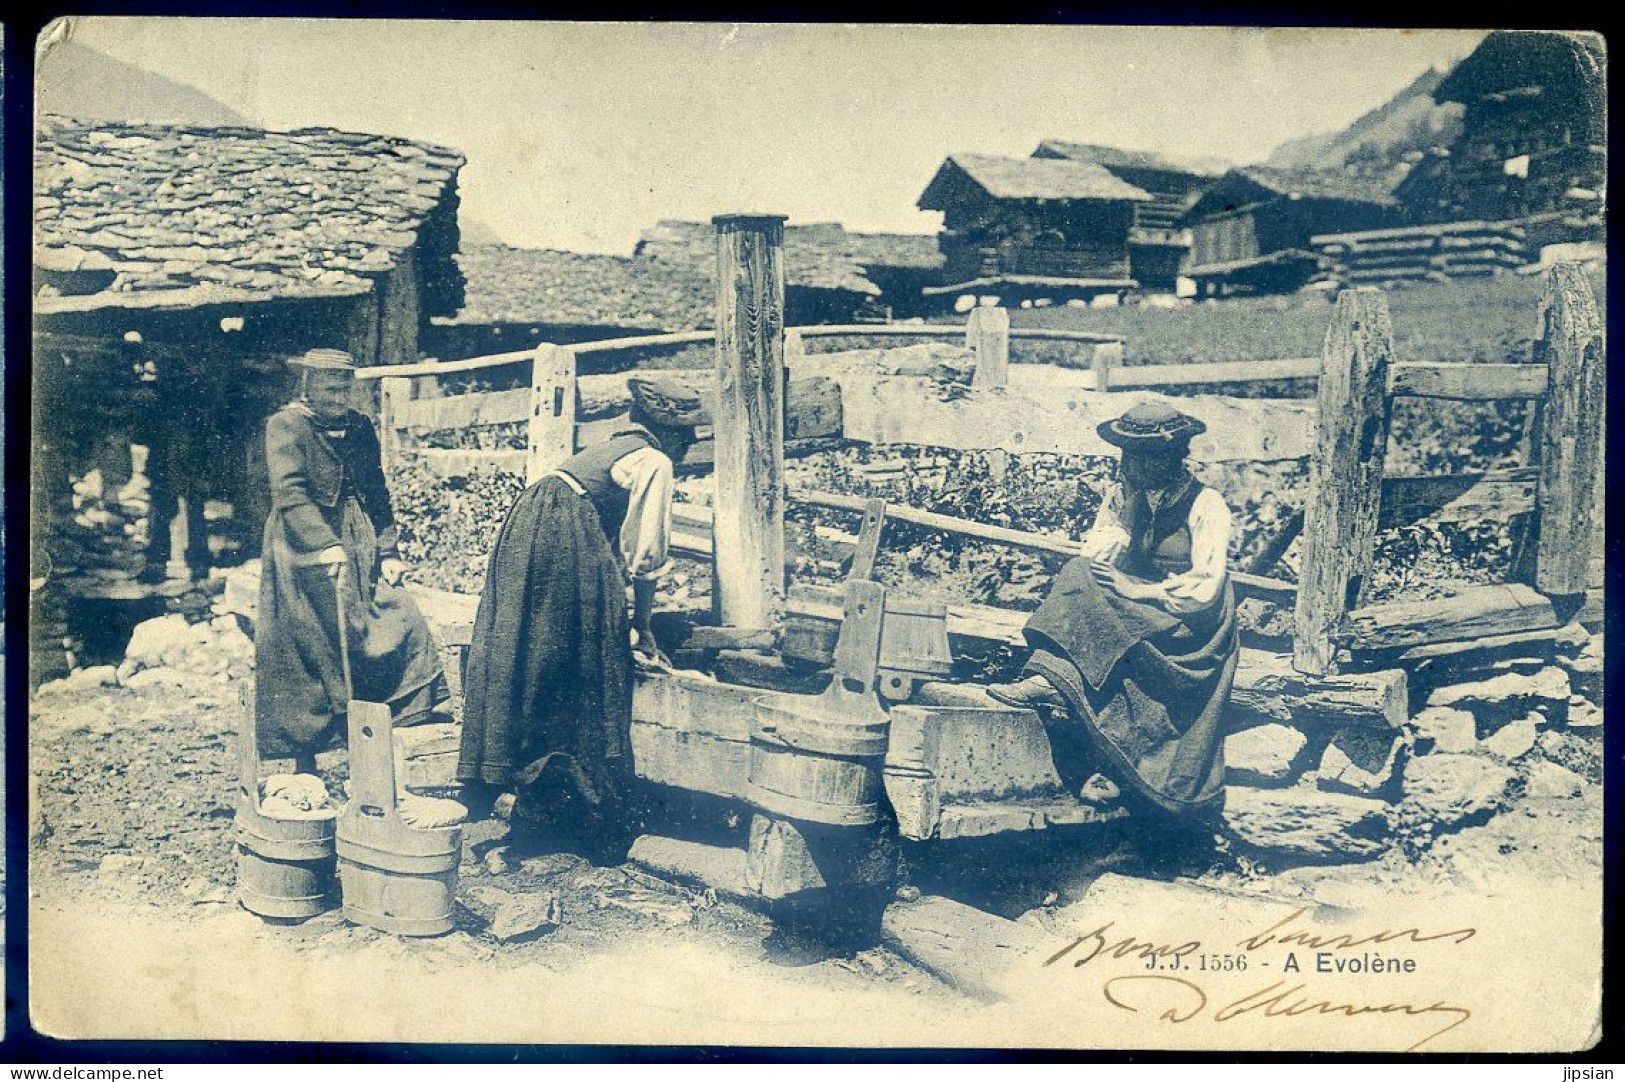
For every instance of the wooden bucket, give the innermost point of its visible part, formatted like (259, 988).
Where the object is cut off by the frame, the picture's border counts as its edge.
(284, 866)
(395, 877)
(819, 758)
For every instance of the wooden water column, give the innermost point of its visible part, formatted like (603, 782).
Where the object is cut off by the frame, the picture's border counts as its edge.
(748, 563)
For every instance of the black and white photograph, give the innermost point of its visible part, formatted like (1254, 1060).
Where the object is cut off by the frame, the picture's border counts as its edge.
(816, 536)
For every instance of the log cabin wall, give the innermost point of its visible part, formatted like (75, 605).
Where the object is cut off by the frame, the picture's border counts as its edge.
(1534, 136)
(1073, 240)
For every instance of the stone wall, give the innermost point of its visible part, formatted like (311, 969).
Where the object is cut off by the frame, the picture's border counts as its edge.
(1486, 729)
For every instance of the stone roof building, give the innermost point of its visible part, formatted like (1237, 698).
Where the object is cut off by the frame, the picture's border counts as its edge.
(1050, 226)
(1251, 230)
(176, 268)
(831, 275)
(1157, 243)
(150, 216)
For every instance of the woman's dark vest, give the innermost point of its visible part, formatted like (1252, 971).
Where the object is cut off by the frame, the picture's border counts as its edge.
(591, 467)
(1159, 541)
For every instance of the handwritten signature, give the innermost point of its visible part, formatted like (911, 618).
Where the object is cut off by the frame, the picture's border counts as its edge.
(1277, 1000)
(1183, 999)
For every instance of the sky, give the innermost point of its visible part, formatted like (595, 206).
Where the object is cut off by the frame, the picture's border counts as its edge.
(581, 135)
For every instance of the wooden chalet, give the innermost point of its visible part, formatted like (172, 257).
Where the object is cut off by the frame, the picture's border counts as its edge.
(175, 271)
(1251, 231)
(1157, 242)
(1032, 227)
(1534, 139)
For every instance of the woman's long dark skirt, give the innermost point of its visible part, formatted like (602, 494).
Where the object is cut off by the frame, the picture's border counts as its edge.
(1147, 688)
(548, 693)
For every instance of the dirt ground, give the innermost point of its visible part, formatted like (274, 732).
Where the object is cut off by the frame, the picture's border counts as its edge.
(132, 863)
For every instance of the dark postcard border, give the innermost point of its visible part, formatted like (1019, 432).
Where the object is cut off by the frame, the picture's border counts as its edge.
(22, 25)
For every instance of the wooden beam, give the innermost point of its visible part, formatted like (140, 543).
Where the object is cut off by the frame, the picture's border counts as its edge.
(1478, 612)
(1571, 438)
(987, 335)
(696, 519)
(1497, 495)
(1466, 382)
(462, 411)
(1277, 546)
(1345, 480)
(394, 395)
(551, 429)
(1175, 375)
(748, 571)
(1034, 417)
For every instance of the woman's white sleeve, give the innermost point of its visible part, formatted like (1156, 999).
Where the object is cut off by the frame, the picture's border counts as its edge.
(1108, 537)
(1210, 545)
(646, 531)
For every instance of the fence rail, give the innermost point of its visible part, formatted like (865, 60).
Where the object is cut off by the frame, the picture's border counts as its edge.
(1343, 434)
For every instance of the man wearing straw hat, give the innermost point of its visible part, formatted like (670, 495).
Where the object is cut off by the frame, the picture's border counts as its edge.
(1134, 649)
(328, 559)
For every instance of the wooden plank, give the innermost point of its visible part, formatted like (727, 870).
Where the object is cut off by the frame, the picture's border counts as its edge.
(1175, 375)
(748, 571)
(696, 761)
(1266, 689)
(462, 411)
(393, 394)
(1345, 480)
(868, 543)
(1247, 585)
(550, 433)
(1474, 613)
(1277, 546)
(1466, 382)
(1497, 495)
(1571, 439)
(1032, 418)
(729, 638)
(987, 335)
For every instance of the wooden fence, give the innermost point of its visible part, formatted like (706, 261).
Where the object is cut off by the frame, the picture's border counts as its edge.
(1556, 494)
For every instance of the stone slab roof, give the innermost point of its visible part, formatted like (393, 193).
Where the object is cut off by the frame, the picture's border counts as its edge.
(1027, 179)
(537, 285)
(149, 215)
(817, 255)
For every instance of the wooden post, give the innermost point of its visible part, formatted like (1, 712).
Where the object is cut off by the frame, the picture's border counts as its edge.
(987, 334)
(748, 547)
(550, 433)
(1105, 357)
(1345, 475)
(392, 391)
(795, 350)
(1571, 448)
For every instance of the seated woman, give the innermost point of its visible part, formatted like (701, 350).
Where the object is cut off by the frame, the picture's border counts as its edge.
(547, 708)
(330, 510)
(1135, 646)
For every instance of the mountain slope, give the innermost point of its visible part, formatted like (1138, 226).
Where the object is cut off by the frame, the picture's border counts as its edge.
(1376, 143)
(75, 80)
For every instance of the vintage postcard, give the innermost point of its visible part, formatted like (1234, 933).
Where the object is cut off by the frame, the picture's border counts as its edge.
(809, 535)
